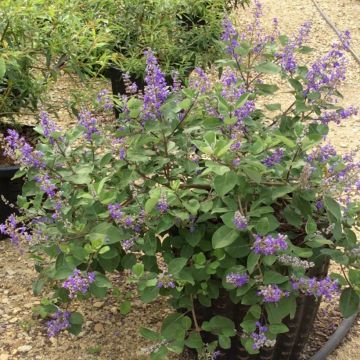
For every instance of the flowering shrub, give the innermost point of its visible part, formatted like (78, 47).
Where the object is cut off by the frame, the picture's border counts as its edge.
(199, 191)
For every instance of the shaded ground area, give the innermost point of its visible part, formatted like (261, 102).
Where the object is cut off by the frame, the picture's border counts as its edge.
(109, 335)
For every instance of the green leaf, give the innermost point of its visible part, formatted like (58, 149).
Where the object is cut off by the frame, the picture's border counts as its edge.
(310, 226)
(349, 302)
(125, 307)
(192, 206)
(149, 294)
(278, 328)
(296, 85)
(138, 269)
(273, 277)
(37, 286)
(267, 89)
(194, 341)
(252, 261)
(149, 334)
(176, 265)
(76, 318)
(223, 237)
(2, 68)
(333, 207)
(273, 107)
(268, 68)
(225, 183)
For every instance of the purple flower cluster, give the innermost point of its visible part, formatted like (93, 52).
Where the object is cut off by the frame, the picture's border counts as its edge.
(78, 283)
(48, 126)
(12, 229)
(119, 147)
(22, 153)
(104, 99)
(259, 337)
(46, 185)
(288, 60)
(240, 221)
(272, 293)
(165, 280)
(60, 322)
(294, 261)
(313, 287)
(128, 244)
(89, 123)
(274, 158)
(127, 221)
(269, 244)
(215, 355)
(162, 204)
(230, 35)
(130, 87)
(200, 81)
(322, 153)
(156, 90)
(115, 212)
(338, 116)
(237, 280)
(327, 72)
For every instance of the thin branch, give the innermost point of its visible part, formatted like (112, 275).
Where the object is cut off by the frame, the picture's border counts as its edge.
(331, 24)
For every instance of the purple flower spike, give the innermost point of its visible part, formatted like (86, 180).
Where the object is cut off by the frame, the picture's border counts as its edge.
(162, 204)
(89, 123)
(240, 221)
(237, 280)
(60, 322)
(272, 293)
(48, 126)
(269, 244)
(156, 90)
(104, 99)
(275, 158)
(165, 280)
(312, 287)
(115, 211)
(46, 185)
(259, 337)
(78, 283)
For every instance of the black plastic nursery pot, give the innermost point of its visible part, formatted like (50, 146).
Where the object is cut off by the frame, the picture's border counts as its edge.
(289, 346)
(9, 190)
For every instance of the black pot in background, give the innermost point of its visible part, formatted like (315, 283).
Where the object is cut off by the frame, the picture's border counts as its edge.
(9, 191)
(118, 85)
(289, 346)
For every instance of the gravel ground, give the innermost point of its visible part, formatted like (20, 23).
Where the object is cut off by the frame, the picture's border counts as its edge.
(107, 334)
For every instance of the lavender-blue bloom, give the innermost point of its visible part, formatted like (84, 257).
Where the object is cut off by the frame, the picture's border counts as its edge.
(17, 233)
(272, 293)
(269, 244)
(200, 81)
(48, 126)
(89, 123)
(104, 99)
(115, 212)
(313, 287)
(322, 153)
(338, 116)
(162, 204)
(156, 90)
(237, 280)
(275, 158)
(60, 322)
(240, 221)
(77, 282)
(22, 153)
(165, 281)
(46, 185)
(259, 337)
